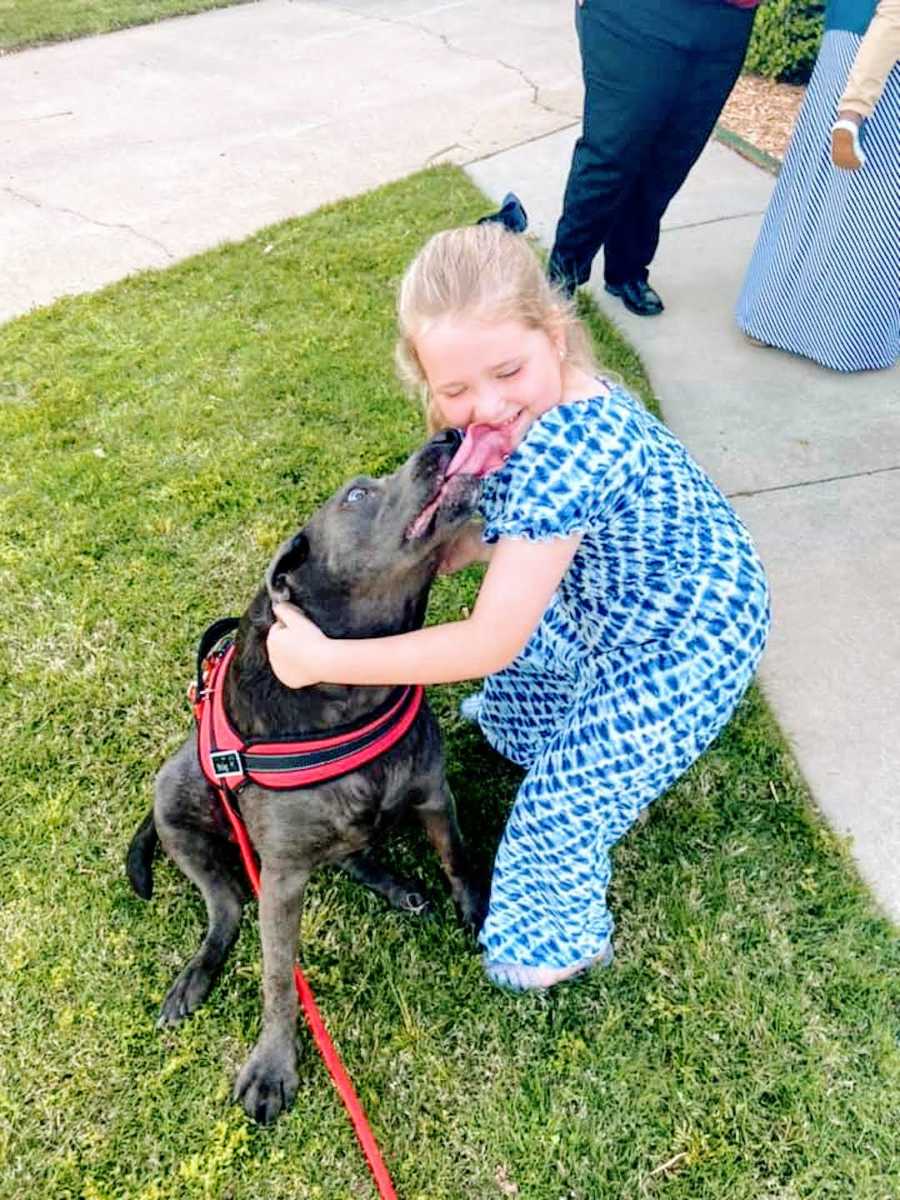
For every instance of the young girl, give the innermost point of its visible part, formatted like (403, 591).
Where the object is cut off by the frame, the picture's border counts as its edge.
(877, 55)
(621, 617)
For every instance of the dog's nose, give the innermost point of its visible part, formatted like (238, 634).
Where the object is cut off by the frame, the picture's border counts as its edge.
(450, 437)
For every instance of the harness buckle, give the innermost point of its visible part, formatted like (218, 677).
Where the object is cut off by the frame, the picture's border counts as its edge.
(225, 762)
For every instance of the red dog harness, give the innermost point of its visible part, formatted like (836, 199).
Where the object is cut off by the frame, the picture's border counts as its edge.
(284, 764)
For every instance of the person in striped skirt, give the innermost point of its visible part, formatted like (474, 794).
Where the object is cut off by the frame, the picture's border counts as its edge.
(824, 278)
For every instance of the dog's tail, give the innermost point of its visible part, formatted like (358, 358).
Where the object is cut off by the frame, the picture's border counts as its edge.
(139, 860)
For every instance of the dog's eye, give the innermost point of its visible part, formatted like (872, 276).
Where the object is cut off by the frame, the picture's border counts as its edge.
(355, 495)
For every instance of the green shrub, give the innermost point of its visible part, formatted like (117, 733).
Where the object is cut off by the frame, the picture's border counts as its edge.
(785, 41)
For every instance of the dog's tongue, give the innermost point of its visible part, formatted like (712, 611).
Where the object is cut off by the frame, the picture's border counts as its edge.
(484, 449)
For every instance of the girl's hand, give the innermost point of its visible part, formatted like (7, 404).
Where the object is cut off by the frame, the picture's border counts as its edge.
(296, 647)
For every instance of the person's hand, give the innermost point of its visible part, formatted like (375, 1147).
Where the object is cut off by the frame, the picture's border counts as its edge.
(296, 647)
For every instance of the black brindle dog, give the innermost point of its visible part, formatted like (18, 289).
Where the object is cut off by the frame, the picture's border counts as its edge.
(361, 567)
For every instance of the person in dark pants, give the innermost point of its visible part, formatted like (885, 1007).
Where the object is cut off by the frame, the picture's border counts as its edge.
(656, 75)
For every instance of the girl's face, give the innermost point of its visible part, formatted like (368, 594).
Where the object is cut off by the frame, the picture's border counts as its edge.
(491, 372)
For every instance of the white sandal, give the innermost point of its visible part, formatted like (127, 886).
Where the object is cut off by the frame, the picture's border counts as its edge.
(514, 978)
(846, 152)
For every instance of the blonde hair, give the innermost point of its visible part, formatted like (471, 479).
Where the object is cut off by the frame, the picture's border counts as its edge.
(481, 271)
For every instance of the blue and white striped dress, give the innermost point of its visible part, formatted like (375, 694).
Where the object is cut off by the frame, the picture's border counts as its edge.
(638, 662)
(824, 279)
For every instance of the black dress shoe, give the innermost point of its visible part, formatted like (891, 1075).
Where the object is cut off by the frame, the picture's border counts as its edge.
(638, 297)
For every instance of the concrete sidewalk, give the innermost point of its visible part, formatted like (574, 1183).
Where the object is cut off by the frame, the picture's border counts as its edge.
(139, 148)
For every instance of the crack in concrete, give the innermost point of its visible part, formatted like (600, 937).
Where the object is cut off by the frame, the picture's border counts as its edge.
(757, 212)
(445, 41)
(21, 196)
(43, 117)
(444, 150)
(144, 237)
(790, 487)
(537, 137)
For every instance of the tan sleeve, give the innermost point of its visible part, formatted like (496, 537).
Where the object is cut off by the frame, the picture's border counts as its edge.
(878, 52)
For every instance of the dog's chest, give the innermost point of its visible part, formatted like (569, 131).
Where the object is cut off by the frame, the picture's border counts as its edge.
(329, 821)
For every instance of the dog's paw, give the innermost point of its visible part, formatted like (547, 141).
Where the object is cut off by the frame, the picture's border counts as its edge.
(185, 995)
(267, 1085)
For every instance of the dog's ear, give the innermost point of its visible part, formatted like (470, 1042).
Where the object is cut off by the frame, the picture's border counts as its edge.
(291, 555)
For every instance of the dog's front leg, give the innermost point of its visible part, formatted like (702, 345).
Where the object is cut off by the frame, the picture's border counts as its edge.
(437, 812)
(268, 1082)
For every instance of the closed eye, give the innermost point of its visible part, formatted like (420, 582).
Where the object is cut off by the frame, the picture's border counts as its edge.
(509, 372)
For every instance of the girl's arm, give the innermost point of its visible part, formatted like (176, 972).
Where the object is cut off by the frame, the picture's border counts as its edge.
(517, 587)
(875, 56)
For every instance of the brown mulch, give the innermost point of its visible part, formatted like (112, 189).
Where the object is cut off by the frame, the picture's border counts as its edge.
(763, 112)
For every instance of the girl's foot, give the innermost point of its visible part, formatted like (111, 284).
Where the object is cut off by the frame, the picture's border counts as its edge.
(514, 978)
(471, 706)
(846, 151)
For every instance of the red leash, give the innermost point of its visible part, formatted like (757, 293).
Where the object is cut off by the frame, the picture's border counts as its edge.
(317, 1028)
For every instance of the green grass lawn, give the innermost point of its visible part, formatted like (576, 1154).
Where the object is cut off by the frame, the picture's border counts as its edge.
(160, 439)
(30, 22)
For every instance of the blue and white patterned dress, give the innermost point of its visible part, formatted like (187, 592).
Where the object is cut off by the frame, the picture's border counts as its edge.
(642, 655)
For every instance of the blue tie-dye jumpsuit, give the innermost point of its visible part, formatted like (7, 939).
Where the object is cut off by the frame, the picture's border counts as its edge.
(642, 655)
